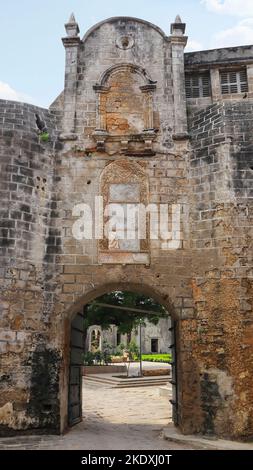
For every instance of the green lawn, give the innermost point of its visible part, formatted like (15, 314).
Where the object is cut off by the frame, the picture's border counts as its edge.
(156, 357)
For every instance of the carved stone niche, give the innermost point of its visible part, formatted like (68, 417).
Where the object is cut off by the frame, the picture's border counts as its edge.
(125, 111)
(125, 189)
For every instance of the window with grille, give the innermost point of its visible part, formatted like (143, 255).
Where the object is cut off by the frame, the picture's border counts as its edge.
(197, 85)
(234, 82)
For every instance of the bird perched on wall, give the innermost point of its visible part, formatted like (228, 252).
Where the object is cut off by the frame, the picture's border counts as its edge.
(40, 124)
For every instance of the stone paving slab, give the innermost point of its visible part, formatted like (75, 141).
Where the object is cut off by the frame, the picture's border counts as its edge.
(114, 419)
(170, 433)
(124, 419)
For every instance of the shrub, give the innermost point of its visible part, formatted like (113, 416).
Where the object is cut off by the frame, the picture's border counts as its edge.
(119, 350)
(133, 349)
(88, 358)
(44, 137)
(107, 352)
(166, 358)
(107, 358)
(98, 356)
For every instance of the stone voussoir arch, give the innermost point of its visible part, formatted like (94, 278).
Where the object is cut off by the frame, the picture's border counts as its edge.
(141, 288)
(122, 67)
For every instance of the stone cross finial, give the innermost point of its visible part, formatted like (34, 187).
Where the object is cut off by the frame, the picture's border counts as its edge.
(178, 19)
(177, 28)
(72, 19)
(72, 28)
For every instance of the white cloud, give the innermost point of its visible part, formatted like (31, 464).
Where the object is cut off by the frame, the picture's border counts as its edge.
(242, 8)
(239, 35)
(8, 93)
(193, 45)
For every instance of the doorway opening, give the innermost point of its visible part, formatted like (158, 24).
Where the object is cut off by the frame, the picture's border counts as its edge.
(121, 339)
(154, 345)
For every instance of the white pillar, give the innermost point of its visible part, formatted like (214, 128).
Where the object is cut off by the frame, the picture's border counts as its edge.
(71, 44)
(178, 42)
(250, 80)
(215, 84)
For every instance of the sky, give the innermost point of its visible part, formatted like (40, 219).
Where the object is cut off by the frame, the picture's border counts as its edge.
(32, 55)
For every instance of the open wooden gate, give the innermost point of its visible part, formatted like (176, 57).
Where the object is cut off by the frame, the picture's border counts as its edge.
(75, 370)
(173, 381)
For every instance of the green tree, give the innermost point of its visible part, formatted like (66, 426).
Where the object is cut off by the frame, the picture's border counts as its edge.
(125, 320)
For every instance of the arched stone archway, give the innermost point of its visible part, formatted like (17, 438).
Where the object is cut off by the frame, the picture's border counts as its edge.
(74, 319)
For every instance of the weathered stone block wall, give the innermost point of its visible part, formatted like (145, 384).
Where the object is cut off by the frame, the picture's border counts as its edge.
(29, 370)
(58, 274)
(222, 263)
(149, 56)
(82, 277)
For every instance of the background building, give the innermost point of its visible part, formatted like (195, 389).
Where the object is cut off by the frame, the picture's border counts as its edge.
(155, 338)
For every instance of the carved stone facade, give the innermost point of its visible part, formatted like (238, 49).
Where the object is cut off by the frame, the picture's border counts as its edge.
(122, 120)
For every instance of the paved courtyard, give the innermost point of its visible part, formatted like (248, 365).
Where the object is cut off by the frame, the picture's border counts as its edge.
(123, 419)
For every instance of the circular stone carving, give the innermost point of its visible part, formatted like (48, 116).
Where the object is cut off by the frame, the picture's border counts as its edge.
(125, 42)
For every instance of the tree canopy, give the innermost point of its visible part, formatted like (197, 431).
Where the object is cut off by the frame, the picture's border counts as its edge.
(125, 320)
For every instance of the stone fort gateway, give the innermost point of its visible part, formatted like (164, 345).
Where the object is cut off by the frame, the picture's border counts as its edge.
(139, 121)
